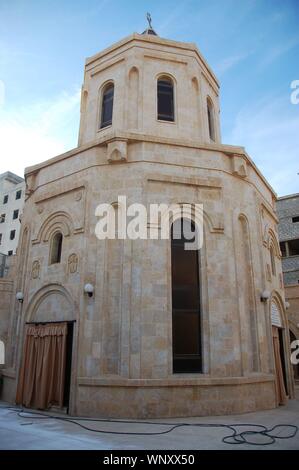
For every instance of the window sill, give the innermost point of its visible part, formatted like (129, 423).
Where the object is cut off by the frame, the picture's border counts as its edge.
(101, 129)
(162, 121)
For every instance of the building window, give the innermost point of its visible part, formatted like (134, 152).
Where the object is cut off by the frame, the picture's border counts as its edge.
(293, 247)
(2, 218)
(2, 353)
(56, 248)
(210, 110)
(107, 105)
(12, 235)
(295, 219)
(272, 257)
(10, 253)
(19, 194)
(165, 97)
(283, 249)
(15, 214)
(0, 238)
(186, 325)
(5, 199)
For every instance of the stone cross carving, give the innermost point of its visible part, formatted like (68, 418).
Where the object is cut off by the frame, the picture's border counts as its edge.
(73, 263)
(35, 269)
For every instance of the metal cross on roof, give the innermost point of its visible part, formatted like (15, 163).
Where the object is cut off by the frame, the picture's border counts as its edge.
(149, 19)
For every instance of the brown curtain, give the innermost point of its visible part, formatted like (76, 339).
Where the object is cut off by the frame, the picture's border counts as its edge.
(42, 373)
(281, 395)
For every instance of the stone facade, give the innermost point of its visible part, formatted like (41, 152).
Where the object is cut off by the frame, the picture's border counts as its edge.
(122, 348)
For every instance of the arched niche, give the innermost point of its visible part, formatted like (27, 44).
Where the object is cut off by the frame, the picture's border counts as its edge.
(58, 221)
(196, 103)
(50, 304)
(273, 242)
(247, 306)
(133, 100)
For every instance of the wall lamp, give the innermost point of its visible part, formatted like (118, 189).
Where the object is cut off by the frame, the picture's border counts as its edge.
(20, 297)
(287, 305)
(265, 295)
(89, 289)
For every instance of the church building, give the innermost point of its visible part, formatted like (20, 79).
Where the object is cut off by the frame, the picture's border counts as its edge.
(143, 327)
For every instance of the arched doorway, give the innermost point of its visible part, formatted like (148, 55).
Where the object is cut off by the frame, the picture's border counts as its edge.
(46, 365)
(279, 354)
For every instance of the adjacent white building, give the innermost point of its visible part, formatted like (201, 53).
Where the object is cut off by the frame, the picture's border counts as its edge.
(12, 198)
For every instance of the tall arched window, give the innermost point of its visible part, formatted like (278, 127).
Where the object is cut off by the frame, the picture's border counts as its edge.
(165, 97)
(186, 324)
(211, 123)
(107, 105)
(56, 248)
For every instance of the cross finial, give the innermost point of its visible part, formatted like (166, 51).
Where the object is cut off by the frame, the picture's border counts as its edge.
(149, 19)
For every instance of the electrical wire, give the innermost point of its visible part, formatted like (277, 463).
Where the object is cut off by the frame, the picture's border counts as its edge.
(236, 437)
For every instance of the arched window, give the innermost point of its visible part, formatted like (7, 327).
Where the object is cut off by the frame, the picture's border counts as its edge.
(272, 257)
(211, 123)
(56, 247)
(107, 105)
(165, 97)
(186, 324)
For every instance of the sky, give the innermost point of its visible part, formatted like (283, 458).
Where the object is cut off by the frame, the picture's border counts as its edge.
(251, 45)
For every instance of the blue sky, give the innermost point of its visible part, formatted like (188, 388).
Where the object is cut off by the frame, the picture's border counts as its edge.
(252, 46)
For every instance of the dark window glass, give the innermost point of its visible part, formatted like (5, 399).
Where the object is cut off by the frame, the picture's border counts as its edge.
(5, 199)
(295, 219)
(2, 218)
(15, 214)
(293, 247)
(19, 194)
(0, 238)
(56, 248)
(283, 249)
(211, 120)
(12, 234)
(107, 105)
(10, 253)
(165, 100)
(186, 328)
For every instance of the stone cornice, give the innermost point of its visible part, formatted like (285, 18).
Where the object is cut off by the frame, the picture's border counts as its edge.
(156, 40)
(185, 381)
(130, 137)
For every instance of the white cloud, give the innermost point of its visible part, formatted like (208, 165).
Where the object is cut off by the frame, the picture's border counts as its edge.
(269, 130)
(278, 50)
(229, 62)
(33, 134)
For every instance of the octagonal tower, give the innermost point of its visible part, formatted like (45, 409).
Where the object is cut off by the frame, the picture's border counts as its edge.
(155, 332)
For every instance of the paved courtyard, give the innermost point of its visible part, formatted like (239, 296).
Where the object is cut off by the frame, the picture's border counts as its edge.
(32, 433)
